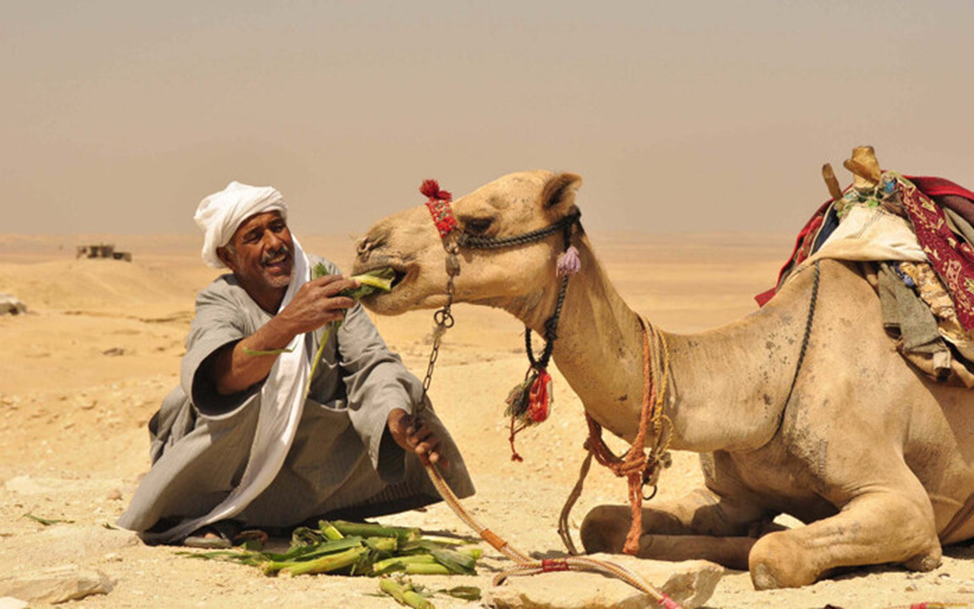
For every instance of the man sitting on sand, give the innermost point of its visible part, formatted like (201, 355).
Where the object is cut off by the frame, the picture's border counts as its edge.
(240, 443)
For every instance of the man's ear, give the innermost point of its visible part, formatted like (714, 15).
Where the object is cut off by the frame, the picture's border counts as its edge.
(558, 194)
(224, 255)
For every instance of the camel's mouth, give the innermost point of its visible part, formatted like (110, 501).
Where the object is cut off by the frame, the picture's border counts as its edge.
(399, 278)
(401, 275)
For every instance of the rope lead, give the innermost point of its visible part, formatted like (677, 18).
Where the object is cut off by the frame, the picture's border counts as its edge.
(527, 566)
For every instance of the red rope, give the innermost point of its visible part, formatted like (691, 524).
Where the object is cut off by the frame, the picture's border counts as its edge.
(634, 464)
(515, 429)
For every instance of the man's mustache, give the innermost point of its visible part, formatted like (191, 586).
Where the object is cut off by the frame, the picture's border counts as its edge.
(276, 254)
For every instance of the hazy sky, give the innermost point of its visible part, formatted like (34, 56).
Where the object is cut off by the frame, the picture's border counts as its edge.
(680, 116)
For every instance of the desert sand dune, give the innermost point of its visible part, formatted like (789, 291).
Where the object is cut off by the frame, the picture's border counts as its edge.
(83, 371)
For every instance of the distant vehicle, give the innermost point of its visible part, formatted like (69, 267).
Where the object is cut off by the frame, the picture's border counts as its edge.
(103, 250)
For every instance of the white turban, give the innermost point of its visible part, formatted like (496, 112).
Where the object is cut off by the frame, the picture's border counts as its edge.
(220, 214)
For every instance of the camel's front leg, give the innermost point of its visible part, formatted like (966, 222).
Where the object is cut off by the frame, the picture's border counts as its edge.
(874, 528)
(701, 524)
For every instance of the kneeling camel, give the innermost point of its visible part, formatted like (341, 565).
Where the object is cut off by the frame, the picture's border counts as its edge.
(874, 459)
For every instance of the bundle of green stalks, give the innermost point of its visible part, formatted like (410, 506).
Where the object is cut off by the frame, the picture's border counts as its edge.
(354, 548)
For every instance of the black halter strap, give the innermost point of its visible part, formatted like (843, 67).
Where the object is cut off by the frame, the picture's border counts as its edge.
(564, 224)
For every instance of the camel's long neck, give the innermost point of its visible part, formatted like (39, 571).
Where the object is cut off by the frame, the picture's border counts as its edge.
(726, 387)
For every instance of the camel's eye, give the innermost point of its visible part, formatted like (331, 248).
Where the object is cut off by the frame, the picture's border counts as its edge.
(477, 226)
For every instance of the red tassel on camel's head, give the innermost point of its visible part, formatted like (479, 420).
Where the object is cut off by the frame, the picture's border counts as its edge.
(431, 189)
(439, 206)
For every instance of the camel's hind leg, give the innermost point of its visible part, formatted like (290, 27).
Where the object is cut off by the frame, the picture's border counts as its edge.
(874, 528)
(699, 525)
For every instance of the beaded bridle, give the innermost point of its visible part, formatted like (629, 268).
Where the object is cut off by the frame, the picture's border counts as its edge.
(528, 402)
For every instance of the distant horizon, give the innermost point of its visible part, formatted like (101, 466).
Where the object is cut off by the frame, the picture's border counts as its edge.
(188, 235)
(21, 247)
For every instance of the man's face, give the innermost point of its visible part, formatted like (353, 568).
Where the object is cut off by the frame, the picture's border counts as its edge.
(261, 252)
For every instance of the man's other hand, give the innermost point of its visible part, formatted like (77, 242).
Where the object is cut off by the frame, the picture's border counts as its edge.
(413, 435)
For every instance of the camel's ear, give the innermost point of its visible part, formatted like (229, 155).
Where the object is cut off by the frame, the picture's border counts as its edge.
(559, 192)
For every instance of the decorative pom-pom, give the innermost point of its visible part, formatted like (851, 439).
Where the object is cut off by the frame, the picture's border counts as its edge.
(431, 189)
(439, 206)
(568, 262)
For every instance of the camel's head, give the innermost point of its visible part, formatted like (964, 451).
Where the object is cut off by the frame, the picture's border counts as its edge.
(513, 276)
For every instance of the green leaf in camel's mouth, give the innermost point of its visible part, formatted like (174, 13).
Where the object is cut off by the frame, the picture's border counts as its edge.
(375, 280)
(372, 281)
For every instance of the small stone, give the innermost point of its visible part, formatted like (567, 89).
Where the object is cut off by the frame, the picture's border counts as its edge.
(911, 587)
(56, 585)
(114, 495)
(9, 602)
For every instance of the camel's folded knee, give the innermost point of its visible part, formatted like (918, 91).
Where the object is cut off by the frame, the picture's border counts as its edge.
(605, 528)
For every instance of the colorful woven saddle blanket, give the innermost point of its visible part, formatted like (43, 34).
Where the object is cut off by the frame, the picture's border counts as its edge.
(919, 231)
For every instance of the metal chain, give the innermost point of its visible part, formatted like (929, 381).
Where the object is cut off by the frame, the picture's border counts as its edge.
(443, 317)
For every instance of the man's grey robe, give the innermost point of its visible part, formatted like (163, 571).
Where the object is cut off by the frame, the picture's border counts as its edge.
(342, 458)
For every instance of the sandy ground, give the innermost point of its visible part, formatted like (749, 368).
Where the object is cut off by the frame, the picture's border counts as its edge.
(81, 374)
